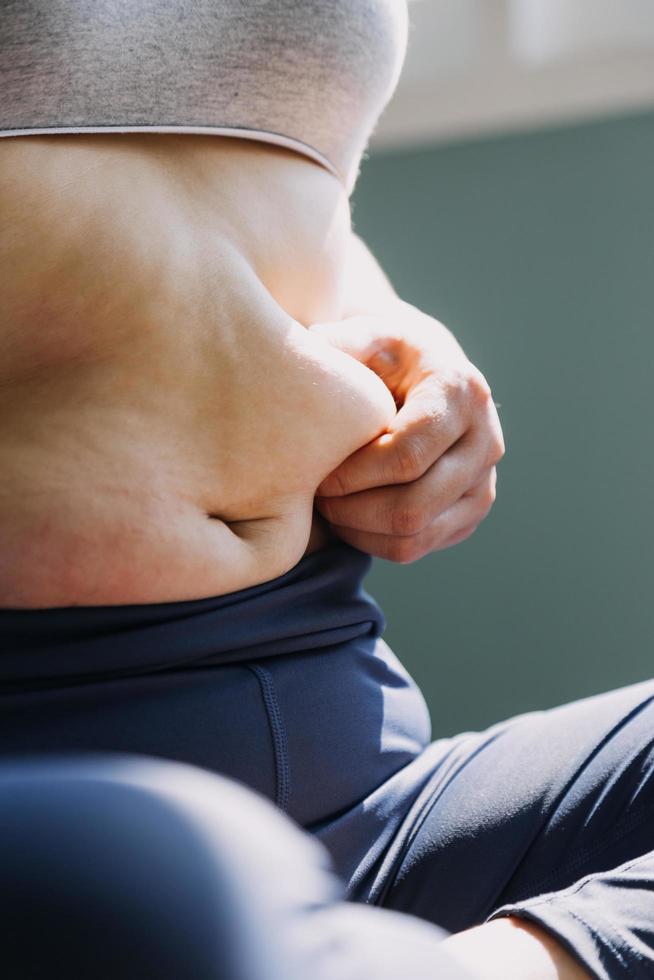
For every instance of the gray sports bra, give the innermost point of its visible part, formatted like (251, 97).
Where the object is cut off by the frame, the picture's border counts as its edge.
(311, 75)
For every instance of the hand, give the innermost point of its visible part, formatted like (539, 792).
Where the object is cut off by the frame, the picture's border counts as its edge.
(428, 482)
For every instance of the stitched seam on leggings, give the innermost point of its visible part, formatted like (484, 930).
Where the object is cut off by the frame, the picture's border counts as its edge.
(594, 931)
(576, 886)
(591, 929)
(529, 908)
(603, 936)
(530, 911)
(278, 733)
(579, 860)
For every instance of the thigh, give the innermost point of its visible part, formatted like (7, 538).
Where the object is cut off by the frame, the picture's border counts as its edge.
(125, 867)
(529, 806)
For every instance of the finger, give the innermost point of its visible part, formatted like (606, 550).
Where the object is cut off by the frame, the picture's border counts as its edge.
(409, 508)
(460, 536)
(423, 429)
(456, 524)
(493, 427)
(461, 520)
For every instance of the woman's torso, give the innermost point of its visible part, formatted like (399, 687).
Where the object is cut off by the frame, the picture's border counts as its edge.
(165, 415)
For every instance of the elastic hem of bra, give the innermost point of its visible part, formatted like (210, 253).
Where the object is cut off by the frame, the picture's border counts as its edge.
(242, 132)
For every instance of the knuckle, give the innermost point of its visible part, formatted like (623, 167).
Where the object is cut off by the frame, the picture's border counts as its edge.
(498, 452)
(488, 497)
(443, 430)
(455, 405)
(404, 550)
(455, 384)
(461, 535)
(409, 459)
(467, 532)
(338, 483)
(482, 501)
(497, 446)
(478, 388)
(406, 520)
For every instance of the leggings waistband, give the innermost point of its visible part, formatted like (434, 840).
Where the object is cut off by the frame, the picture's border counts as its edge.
(318, 603)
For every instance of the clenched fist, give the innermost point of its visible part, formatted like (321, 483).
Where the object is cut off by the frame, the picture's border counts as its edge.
(429, 481)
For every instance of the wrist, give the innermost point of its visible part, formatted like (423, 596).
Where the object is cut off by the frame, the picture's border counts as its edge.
(367, 289)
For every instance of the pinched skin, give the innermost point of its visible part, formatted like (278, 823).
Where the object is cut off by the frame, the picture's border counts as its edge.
(165, 415)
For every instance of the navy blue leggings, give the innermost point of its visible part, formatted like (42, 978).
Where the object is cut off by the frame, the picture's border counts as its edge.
(289, 689)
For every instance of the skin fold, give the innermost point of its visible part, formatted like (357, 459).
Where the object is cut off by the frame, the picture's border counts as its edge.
(164, 420)
(164, 300)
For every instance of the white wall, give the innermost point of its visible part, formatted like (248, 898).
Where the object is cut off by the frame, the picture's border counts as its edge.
(488, 66)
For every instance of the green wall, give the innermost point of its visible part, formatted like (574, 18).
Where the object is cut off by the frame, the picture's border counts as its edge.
(537, 250)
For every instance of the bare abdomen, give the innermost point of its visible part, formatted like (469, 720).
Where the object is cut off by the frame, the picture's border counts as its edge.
(164, 421)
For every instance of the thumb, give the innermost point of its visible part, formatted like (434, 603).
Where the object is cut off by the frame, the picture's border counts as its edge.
(361, 338)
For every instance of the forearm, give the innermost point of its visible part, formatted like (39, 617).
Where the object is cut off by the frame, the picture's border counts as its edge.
(368, 292)
(367, 289)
